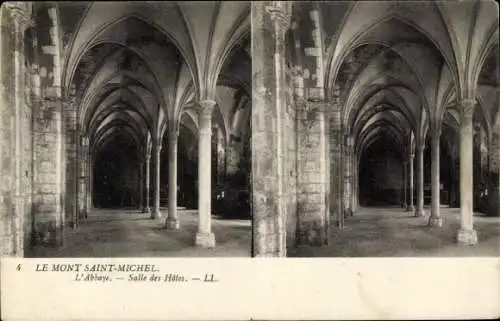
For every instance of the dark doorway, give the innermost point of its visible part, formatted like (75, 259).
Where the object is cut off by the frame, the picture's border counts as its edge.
(116, 174)
(380, 176)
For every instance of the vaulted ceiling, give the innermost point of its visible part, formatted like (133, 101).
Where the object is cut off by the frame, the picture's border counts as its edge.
(401, 67)
(136, 67)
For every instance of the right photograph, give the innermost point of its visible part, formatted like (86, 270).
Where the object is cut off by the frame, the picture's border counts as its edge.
(375, 129)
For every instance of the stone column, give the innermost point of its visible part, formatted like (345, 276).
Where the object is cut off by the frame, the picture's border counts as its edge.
(411, 207)
(420, 182)
(269, 23)
(435, 217)
(48, 171)
(494, 174)
(204, 236)
(71, 153)
(141, 183)
(405, 185)
(156, 211)
(84, 178)
(348, 177)
(466, 234)
(311, 170)
(90, 187)
(172, 221)
(15, 194)
(354, 186)
(20, 15)
(335, 136)
(147, 165)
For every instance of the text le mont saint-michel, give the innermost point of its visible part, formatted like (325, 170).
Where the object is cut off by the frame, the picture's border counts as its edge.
(122, 273)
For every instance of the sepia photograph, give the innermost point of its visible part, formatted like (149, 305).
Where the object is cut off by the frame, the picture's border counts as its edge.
(387, 129)
(324, 149)
(126, 129)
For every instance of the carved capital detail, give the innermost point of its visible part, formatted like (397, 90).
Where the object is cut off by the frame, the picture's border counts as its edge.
(280, 14)
(173, 132)
(467, 106)
(20, 13)
(206, 107)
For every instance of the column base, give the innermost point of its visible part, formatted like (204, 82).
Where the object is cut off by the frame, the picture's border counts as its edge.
(47, 235)
(172, 224)
(146, 210)
(156, 214)
(435, 222)
(410, 208)
(467, 237)
(419, 212)
(206, 240)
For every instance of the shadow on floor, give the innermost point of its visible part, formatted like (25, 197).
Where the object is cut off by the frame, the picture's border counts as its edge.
(114, 233)
(393, 232)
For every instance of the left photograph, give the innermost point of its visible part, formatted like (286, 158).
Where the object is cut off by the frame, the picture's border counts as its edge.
(125, 129)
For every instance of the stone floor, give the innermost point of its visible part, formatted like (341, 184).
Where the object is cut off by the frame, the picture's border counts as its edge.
(392, 232)
(129, 233)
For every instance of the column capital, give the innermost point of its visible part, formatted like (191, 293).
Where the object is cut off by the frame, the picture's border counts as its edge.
(206, 107)
(467, 106)
(173, 132)
(280, 14)
(20, 13)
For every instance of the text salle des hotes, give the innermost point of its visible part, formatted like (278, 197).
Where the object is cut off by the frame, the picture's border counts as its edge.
(79, 267)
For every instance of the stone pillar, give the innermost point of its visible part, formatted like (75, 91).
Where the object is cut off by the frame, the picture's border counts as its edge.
(14, 193)
(335, 136)
(420, 182)
(156, 211)
(172, 221)
(83, 178)
(435, 217)
(147, 165)
(411, 207)
(405, 185)
(270, 21)
(141, 183)
(354, 186)
(311, 183)
(466, 234)
(48, 146)
(20, 17)
(204, 236)
(494, 174)
(71, 152)
(90, 171)
(348, 176)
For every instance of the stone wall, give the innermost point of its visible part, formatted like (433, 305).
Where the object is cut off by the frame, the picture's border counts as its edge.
(47, 157)
(27, 179)
(335, 167)
(311, 174)
(7, 227)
